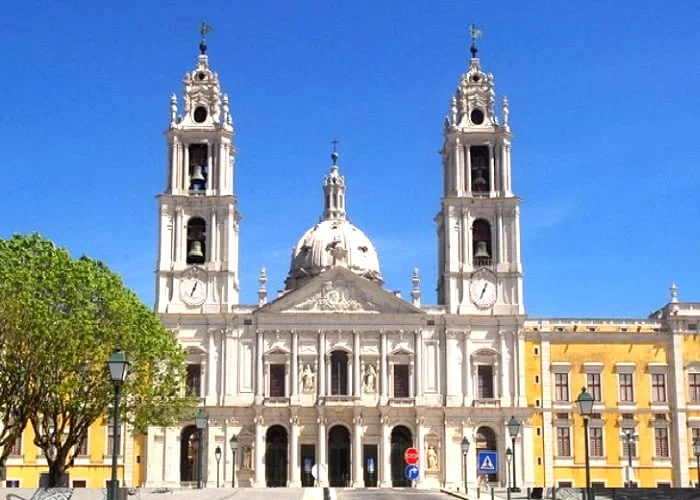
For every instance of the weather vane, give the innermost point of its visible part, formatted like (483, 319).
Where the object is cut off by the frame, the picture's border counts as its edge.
(335, 143)
(475, 34)
(204, 30)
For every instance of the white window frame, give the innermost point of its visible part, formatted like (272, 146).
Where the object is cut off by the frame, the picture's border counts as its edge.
(401, 356)
(561, 368)
(658, 369)
(594, 367)
(692, 368)
(597, 459)
(276, 356)
(627, 369)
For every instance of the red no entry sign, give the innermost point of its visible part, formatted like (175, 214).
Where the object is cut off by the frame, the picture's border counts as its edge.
(411, 456)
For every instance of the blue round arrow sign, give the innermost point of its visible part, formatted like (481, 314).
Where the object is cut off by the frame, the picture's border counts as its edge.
(412, 472)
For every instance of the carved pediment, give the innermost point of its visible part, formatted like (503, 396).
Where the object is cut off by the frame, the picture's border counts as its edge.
(339, 291)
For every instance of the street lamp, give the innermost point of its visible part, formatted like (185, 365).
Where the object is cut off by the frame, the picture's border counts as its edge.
(118, 368)
(629, 438)
(217, 456)
(200, 420)
(509, 459)
(585, 408)
(696, 452)
(513, 429)
(465, 451)
(234, 447)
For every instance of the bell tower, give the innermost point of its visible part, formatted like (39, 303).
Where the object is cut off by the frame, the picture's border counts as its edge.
(479, 265)
(199, 220)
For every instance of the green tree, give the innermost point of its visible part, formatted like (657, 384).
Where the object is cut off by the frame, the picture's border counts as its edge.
(68, 315)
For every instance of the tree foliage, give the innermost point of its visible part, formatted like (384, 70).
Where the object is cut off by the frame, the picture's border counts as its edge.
(60, 320)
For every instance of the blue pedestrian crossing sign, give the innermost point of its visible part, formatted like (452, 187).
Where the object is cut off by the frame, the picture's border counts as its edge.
(487, 462)
(412, 472)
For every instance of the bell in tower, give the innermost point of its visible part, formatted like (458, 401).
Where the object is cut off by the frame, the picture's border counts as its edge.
(196, 238)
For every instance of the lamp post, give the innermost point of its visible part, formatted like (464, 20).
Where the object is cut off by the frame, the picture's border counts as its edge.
(465, 451)
(200, 420)
(118, 368)
(217, 456)
(696, 452)
(234, 447)
(513, 429)
(509, 459)
(629, 438)
(585, 408)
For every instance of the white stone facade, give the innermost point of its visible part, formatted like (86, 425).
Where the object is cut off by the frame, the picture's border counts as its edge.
(338, 370)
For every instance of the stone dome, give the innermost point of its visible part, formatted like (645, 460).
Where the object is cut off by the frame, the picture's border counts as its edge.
(334, 241)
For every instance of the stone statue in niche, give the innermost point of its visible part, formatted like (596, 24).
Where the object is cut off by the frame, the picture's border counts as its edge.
(370, 378)
(247, 457)
(432, 458)
(307, 379)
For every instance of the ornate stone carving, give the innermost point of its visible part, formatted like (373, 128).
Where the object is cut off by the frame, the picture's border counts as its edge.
(307, 379)
(343, 297)
(432, 458)
(370, 378)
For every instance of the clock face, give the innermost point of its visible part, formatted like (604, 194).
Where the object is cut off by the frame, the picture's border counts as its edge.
(193, 291)
(482, 289)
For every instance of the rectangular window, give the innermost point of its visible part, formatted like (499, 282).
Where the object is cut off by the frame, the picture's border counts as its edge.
(566, 484)
(110, 438)
(695, 435)
(82, 448)
(194, 378)
(12, 483)
(563, 442)
(595, 437)
(277, 381)
(485, 381)
(694, 387)
(626, 388)
(661, 442)
(658, 387)
(79, 483)
(480, 168)
(401, 381)
(628, 445)
(17, 447)
(339, 373)
(593, 385)
(561, 387)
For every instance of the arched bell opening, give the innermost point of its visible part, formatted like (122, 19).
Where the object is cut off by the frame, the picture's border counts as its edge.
(339, 457)
(276, 451)
(196, 240)
(198, 165)
(486, 441)
(401, 440)
(189, 448)
(339, 373)
(481, 183)
(481, 243)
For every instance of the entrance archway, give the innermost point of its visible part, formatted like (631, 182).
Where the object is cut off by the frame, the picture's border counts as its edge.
(276, 448)
(189, 447)
(401, 439)
(338, 456)
(486, 441)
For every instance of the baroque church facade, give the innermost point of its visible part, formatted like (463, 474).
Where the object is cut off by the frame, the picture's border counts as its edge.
(338, 371)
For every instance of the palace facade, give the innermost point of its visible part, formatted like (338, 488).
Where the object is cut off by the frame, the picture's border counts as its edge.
(339, 373)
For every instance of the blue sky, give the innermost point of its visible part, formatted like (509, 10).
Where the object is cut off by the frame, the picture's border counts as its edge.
(604, 101)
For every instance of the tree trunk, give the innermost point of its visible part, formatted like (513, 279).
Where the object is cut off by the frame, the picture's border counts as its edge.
(57, 474)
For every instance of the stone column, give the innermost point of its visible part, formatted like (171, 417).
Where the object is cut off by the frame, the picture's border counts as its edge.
(186, 169)
(295, 366)
(171, 457)
(357, 369)
(499, 237)
(358, 480)
(231, 365)
(505, 371)
(384, 372)
(422, 451)
(466, 241)
(418, 387)
(321, 373)
(177, 234)
(211, 377)
(520, 336)
(385, 450)
(322, 448)
(210, 169)
(467, 374)
(492, 172)
(458, 175)
(259, 452)
(468, 170)
(294, 475)
(214, 238)
(259, 374)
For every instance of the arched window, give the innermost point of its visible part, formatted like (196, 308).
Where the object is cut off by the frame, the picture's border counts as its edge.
(480, 169)
(196, 240)
(198, 166)
(339, 373)
(481, 243)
